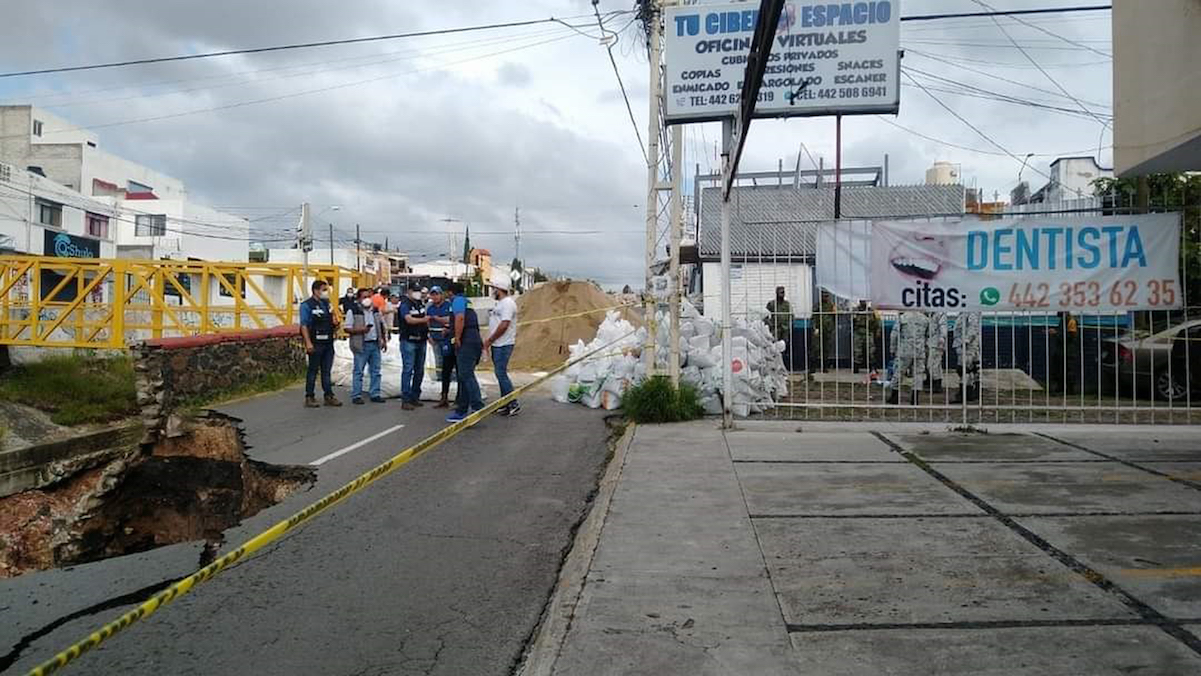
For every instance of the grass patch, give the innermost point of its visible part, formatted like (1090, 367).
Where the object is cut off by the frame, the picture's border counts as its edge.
(266, 382)
(73, 389)
(658, 401)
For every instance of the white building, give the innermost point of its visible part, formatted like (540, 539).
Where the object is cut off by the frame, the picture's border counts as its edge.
(943, 173)
(153, 218)
(42, 218)
(1071, 179)
(442, 268)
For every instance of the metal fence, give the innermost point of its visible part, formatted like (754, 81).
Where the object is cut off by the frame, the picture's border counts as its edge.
(1034, 366)
(94, 303)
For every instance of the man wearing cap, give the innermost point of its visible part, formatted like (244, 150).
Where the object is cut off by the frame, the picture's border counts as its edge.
(468, 347)
(438, 311)
(414, 331)
(502, 337)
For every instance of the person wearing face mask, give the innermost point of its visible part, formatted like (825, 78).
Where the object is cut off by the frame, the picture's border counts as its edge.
(502, 337)
(368, 339)
(438, 311)
(317, 326)
(414, 331)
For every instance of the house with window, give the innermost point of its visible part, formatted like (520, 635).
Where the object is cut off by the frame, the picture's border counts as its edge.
(152, 215)
(42, 218)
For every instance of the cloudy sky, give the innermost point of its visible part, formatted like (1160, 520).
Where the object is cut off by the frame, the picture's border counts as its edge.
(404, 134)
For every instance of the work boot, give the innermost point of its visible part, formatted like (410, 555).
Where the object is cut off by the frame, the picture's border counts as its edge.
(936, 386)
(417, 403)
(407, 406)
(443, 403)
(311, 402)
(331, 400)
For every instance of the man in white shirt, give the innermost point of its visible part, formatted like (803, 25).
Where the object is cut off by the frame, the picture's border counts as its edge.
(502, 336)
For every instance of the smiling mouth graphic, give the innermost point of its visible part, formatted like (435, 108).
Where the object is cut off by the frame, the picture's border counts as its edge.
(922, 268)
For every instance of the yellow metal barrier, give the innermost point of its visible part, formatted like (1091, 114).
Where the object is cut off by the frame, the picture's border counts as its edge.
(97, 303)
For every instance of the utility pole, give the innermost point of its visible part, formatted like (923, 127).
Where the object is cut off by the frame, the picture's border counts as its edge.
(305, 240)
(517, 233)
(652, 174)
(331, 244)
(358, 250)
(677, 226)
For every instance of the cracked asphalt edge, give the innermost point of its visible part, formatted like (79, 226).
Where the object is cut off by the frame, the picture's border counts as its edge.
(542, 652)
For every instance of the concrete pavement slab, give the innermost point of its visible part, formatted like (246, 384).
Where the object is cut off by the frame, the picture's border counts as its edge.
(848, 571)
(808, 446)
(1156, 558)
(1072, 488)
(1148, 446)
(1033, 651)
(678, 584)
(942, 447)
(863, 489)
(1189, 471)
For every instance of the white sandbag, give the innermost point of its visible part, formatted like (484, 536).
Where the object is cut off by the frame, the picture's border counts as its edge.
(559, 386)
(592, 400)
(610, 401)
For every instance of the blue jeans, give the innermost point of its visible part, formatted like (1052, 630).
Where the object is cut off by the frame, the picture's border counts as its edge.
(468, 398)
(370, 356)
(413, 356)
(321, 361)
(500, 364)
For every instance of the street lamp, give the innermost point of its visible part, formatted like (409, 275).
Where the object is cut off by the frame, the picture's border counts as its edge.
(1024, 161)
(331, 234)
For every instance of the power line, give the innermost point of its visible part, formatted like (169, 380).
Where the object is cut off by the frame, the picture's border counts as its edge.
(951, 62)
(1040, 29)
(965, 89)
(617, 72)
(291, 95)
(1008, 12)
(277, 48)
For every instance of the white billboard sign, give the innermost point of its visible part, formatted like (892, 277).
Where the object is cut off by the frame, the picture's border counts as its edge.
(1100, 264)
(827, 58)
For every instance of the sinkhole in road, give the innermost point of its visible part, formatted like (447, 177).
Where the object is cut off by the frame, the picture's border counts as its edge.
(190, 487)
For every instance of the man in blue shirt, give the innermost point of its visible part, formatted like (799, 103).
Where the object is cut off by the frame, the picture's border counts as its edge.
(468, 349)
(438, 312)
(317, 326)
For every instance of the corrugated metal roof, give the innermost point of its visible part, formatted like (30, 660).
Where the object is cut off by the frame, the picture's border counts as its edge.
(782, 220)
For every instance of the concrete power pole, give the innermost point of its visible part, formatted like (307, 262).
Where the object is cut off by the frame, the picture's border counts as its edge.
(652, 174)
(677, 226)
(305, 237)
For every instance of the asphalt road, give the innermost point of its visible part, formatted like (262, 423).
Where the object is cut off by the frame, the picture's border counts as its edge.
(440, 568)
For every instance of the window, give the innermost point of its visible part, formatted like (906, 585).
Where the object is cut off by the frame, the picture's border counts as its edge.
(50, 213)
(97, 225)
(37, 127)
(135, 187)
(234, 282)
(150, 225)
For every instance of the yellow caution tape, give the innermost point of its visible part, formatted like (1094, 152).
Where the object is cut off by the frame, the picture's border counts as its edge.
(280, 529)
(577, 314)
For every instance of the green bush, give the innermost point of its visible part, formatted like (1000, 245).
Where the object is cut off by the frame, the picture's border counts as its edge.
(657, 401)
(74, 389)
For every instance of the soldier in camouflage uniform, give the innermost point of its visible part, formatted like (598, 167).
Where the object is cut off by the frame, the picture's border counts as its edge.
(779, 319)
(936, 349)
(908, 346)
(867, 327)
(967, 344)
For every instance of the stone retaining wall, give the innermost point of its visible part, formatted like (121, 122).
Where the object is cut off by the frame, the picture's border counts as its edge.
(171, 371)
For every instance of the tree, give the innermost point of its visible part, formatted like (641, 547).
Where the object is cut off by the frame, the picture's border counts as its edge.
(1163, 193)
(467, 246)
(539, 276)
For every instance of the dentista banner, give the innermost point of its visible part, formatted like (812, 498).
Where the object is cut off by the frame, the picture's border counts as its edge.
(1098, 264)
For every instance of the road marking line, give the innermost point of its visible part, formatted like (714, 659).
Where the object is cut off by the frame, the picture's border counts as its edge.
(358, 444)
(1194, 571)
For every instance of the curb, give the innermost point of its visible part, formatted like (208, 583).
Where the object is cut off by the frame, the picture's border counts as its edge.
(543, 652)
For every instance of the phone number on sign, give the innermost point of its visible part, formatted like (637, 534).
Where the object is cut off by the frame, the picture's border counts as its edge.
(1125, 293)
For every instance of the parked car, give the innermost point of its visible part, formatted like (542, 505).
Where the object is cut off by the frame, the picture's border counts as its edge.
(1166, 365)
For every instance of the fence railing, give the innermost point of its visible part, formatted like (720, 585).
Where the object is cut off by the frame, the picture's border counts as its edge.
(96, 303)
(1042, 365)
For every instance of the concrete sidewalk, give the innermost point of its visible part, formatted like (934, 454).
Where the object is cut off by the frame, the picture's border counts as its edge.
(901, 550)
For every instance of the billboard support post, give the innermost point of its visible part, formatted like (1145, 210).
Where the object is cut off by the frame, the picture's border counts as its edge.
(652, 179)
(837, 167)
(727, 345)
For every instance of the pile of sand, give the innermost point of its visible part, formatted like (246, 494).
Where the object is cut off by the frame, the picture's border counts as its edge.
(545, 345)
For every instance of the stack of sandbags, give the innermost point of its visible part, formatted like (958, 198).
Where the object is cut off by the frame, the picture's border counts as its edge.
(391, 367)
(756, 361)
(601, 379)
